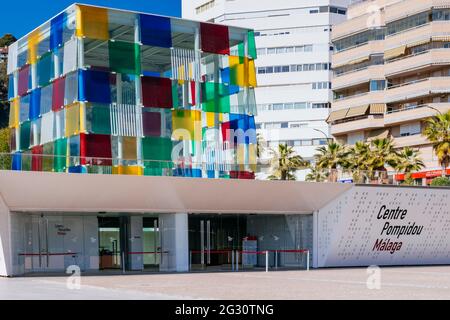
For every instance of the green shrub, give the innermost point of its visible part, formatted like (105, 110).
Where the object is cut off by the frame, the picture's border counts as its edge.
(441, 182)
(5, 158)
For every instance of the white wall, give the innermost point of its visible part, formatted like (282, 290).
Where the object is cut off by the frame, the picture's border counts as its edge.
(348, 227)
(174, 242)
(5, 239)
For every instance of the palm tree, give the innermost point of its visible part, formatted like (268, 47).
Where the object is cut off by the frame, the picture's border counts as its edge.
(409, 161)
(284, 163)
(438, 133)
(330, 157)
(383, 154)
(358, 160)
(260, 145)
(317, 175)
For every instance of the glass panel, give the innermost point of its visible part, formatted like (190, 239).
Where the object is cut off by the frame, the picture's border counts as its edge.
(94, 86)
(187, 125)
(92, 22)
(58, 94)
(156, 148)
(24, 108)
(71, 88)
(155, 31)
(35, 109)
(125, 57)
(45, 70)
(72, 120)
(215, 38)
(151, 123)
(56, 31)
(98, 119)
(25, 135)
(46, 99)
(60, 152)
(157, 92)
(24, 80)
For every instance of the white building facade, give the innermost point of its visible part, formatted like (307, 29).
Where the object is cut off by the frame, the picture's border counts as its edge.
(293, 38)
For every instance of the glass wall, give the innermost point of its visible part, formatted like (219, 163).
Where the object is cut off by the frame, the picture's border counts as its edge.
(230, 241)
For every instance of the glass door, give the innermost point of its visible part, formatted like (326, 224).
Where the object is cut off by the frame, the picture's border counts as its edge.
(109, 243)
(151, 243)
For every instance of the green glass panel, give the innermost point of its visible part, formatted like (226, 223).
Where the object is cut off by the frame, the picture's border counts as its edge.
(60, 151)
(47, 158)
(156, 148)
(25, 135)
(251, 45)
(215, 97)
(176, 102)
(98, 119)
(125, 57)
(26, 161)
(241, 52)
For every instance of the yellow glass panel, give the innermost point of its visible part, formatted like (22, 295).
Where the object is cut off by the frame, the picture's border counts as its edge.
(187, 125)
(251, 73)
(240, 156)
(129, 148)
(33, 41)
(14, 113)
(92, 23)
(252, 157)
(82, 117)
(210, 117)
(72, 120)
(128, 170)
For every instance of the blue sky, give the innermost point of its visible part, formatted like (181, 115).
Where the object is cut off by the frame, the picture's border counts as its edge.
(21, 16)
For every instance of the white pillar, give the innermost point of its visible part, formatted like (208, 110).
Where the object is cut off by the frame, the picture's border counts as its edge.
(5, 240)
(174, 242)
(138, 88)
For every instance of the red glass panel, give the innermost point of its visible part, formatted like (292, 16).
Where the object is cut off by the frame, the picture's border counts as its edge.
(98, 147)
(215, 38)
(151, 123)
(36, 158)
(157, 92)
(58, 94)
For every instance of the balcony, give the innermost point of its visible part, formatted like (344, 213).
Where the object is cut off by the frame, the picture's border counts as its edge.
(418, 88)
(410, 141)
(363, 123)
(363, 50)
(408, 8)
(417, 61)
(358, 76)
(414, 113)
(426, 31)
(359, 100)
(358, 24)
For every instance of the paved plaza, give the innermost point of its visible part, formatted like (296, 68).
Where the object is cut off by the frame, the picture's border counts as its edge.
(431, 282)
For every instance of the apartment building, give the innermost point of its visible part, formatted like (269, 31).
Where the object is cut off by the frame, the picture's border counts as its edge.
(293, 40)
(391, 67)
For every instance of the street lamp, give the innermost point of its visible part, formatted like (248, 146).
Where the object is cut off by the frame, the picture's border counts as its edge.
(430, 107)
(326, 136)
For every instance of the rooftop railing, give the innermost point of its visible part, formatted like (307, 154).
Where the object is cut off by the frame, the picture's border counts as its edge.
(185, 168)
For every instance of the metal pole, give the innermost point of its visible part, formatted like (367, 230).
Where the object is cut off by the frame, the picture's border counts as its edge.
(190, 260)
(267, 260)
(123, 262)
(307, 260)
(232, 260)
(276, 259)
(237, 260)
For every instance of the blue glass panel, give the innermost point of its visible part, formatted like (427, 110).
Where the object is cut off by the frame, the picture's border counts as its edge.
(17, 161)
(11, 93)
(211, 174)
(24, 108)
(77, 169)
(245, 123)
(94, 86)
(56, 31)
(187, 172)
(35, 104)
(225, 75)
(156, 31)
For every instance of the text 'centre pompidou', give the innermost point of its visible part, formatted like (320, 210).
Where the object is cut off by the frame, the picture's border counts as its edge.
(98, 90)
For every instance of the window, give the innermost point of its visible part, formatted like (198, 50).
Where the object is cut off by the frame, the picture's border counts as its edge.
(300, 105)
(298, 125)
(410, 129)
(408, 23)
(294, 68)
(285, 69)
(377, 85)
(277, 69)
(261, 70)
(289, 49)
(309, 48)
(284, 125)
(314, 11)
(261, 51)
(281, 50)
(271, 50)
(269, 70)
(288, 106)
(278, 106)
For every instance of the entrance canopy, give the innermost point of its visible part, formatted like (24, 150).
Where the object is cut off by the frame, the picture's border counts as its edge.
(60, 192)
